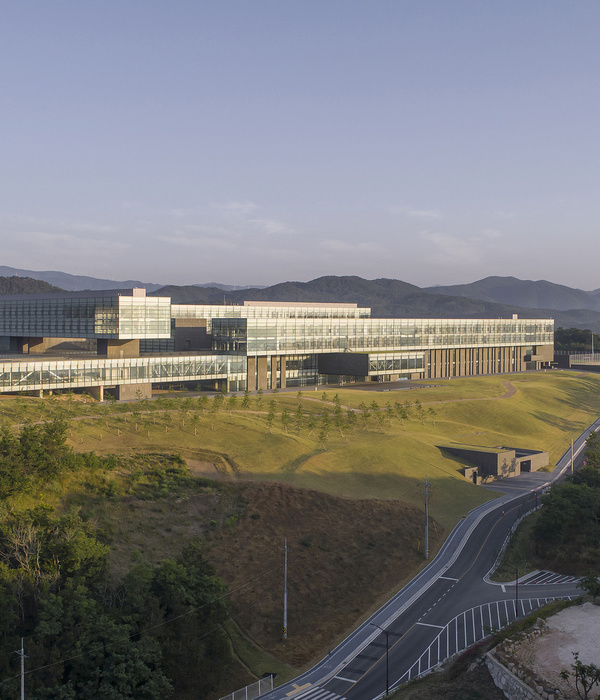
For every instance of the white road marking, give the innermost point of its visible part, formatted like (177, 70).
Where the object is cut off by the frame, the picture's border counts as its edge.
(425, 624)
(448, 578)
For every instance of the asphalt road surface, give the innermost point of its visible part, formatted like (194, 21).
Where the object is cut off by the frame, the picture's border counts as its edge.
(446, 608)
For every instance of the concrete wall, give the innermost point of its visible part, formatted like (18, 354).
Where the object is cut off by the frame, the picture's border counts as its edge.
(130, 392)
(538, 460)
(489, 463)
(119, 348)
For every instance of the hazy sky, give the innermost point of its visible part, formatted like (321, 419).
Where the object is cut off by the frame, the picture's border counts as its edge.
(189, 141)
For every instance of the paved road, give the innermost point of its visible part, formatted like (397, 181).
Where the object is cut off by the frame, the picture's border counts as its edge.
(450, 605)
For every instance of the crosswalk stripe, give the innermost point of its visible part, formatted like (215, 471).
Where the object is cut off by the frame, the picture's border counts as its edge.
(317, 693)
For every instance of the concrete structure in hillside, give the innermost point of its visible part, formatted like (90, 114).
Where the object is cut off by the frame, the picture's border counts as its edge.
(587, 362)
(124, 340)
(492, 462)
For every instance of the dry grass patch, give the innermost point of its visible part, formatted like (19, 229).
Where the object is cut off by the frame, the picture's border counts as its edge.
(345, 556)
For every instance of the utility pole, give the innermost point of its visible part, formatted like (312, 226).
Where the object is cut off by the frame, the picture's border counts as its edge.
(516, 588)
(285, 549)
(21, 653)
(427, 493)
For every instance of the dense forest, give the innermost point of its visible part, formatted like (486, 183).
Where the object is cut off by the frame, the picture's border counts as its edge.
(567, 533)
(576, 340)
(157, 633)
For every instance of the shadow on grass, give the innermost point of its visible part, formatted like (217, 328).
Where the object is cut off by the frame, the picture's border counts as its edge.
(451, 500)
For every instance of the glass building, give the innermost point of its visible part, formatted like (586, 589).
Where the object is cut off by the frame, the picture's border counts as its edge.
(127, 340)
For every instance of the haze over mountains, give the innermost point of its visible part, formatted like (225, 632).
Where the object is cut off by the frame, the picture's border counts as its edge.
(531, 295)
(491, 297)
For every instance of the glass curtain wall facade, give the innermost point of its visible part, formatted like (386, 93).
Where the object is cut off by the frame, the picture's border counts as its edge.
(210, 311)
(71, 374)
(102, 316)
(257, 345)
(275, 336)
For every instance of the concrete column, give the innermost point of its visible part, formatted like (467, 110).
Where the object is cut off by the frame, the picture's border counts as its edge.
(283, 373)
(274, 359)
(429, 366)
(252, 374)
(96, 392)
(261, 372)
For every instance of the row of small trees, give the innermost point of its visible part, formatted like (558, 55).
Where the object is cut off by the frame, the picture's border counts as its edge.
(331, 417)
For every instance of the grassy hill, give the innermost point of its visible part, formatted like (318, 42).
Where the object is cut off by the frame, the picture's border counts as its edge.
(348, 502)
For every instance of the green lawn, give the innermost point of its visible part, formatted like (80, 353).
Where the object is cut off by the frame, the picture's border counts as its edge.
(386, 459)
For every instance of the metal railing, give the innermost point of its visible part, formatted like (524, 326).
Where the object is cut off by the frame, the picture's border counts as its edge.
(585, 359)
(252, 691)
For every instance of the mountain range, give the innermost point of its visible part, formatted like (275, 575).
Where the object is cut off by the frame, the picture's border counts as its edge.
(394, 298)
(76, 283)
(492, 297)
(526, 293)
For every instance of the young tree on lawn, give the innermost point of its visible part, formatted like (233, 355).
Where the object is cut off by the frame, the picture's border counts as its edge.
(586, 676)
(246, 400)
(271, 415)
(365, 414)
(299, 415)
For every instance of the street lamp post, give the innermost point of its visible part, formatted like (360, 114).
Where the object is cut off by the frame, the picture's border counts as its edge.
(387, 657)
(516, 589)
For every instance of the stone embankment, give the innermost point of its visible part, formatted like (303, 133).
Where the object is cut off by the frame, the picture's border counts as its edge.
(516, 680)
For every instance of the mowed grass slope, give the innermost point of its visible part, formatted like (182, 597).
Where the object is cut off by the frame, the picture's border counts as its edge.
(386, 459)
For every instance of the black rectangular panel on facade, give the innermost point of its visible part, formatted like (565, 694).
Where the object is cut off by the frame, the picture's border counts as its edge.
(351, 363)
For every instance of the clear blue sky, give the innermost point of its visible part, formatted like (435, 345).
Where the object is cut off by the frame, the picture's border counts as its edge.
(261, 141)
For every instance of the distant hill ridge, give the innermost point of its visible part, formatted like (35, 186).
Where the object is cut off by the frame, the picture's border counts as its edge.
(526, 293)
(77, 283)
(492, 297)
(25, 285)
(386, 297)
